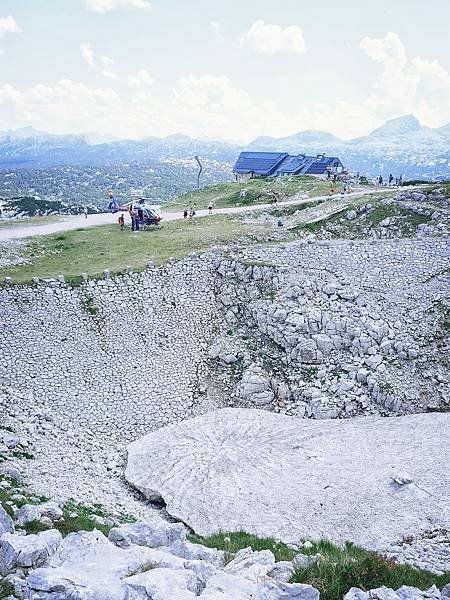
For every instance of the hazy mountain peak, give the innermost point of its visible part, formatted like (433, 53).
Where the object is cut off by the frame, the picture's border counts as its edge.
(398, 126)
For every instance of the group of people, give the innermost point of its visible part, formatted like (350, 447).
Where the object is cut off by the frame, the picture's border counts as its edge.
(398, 180)
(190, 214)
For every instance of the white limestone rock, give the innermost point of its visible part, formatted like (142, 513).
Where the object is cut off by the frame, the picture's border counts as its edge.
(243, 461)
(61, 583)
(251, 565)
(164, 584)
(27, 551)
(28, 513)
(385, 593)
(6, 523)
(255, 387)
(190, 551)
(151, 535)
(282, 571)
(225, 586)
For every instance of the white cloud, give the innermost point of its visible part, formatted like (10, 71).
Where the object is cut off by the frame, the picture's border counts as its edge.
(102, 6)
(217, 30)
(88, 54)
(270, 39)
(9, 25)
(417, 86)
(65, 106)
(141, 78)
(108, 69)
(213, 106)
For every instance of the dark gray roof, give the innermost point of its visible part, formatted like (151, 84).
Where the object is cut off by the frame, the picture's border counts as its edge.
(274, 163)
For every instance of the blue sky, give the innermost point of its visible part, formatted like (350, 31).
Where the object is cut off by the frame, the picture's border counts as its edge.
(222, 69)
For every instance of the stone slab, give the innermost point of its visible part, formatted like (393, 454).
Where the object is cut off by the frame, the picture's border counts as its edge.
(280, 476)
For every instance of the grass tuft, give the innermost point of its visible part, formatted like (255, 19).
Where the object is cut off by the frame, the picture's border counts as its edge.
(6, 590)
(231, 542)
(339, 569)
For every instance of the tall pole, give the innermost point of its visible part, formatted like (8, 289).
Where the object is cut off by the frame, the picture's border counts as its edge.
(199, 172)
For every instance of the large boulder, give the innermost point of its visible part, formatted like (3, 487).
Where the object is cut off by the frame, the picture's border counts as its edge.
(190, 551)
(164, 584)
(31, 512)
(151, 535)
(60, 584)
(6, 523)
(27, 551)
(225, 586)
(87, 566)
(251, 565)
(228, 469)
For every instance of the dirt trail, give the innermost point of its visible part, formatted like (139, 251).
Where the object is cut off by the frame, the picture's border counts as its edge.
(80, 222)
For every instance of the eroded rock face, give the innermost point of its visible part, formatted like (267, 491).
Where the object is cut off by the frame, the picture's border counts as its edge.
(277, 476)
(255, 388)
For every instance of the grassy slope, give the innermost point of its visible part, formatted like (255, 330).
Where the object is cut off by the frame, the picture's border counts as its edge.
(227, 194)
(95, 249)
(337, 570)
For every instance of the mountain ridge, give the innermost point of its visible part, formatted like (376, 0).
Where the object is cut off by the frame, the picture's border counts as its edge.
(401, 145)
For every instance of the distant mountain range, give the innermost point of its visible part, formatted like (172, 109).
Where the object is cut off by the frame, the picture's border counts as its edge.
(401, 145)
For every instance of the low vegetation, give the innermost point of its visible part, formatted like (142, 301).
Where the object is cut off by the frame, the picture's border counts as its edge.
(80, 517)
(77, 516)
(402, 218)
(232, 542)
(6, 590)
(95, 249)
(336, 569)
(339, 569)
(261, 190)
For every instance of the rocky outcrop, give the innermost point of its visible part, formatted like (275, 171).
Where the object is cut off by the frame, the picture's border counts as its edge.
(134, 565)
(276, 476)
(335, 328)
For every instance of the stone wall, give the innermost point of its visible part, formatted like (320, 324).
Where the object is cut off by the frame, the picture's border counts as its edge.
(89, 369)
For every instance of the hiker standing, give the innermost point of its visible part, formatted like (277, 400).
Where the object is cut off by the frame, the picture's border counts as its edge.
(185, 213)
(210, 208)
(85, 212)
(191, 213)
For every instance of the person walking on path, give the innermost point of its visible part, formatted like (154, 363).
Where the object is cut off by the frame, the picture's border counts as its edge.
(85, 212)
(121, 222)
(185, 213)
(210, 207)
(191, 213)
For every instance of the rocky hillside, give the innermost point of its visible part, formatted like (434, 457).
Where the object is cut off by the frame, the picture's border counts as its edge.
(296, 389)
